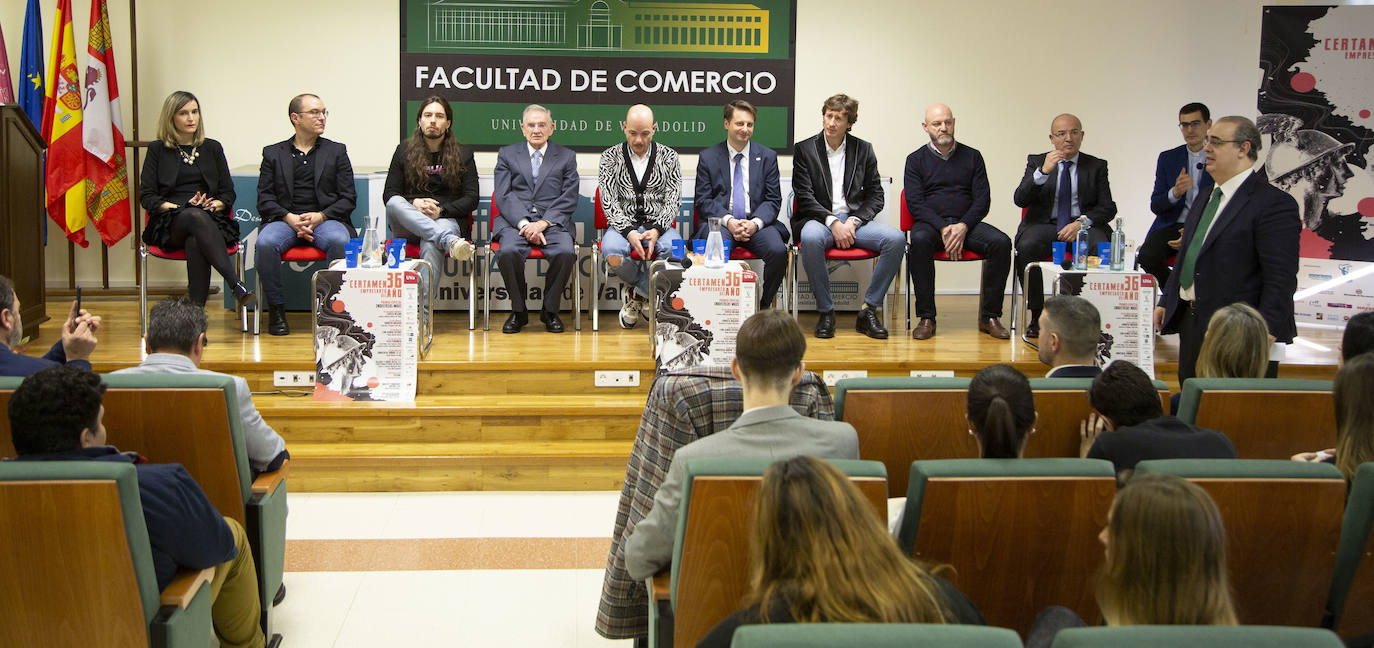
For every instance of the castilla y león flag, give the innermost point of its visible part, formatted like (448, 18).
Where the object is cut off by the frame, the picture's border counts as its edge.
(66, 169)
(107, 177)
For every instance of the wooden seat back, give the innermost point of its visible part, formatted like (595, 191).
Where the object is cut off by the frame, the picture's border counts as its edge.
(899, 426)
(1060, 413)
(189, 426)
(713, 575)
(66, 574)
(1270, 424)
(1017, 544)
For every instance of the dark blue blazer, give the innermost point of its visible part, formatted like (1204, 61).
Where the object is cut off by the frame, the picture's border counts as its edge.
(1075, 371)
(715, 173)
(333, 183)
(18, 365)
(518, 195)
(1251, 256)
(1170, 163)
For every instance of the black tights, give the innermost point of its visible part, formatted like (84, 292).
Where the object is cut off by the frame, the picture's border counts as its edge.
(195, 230)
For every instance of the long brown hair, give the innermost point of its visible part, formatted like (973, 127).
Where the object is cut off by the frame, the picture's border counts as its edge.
(1236, 344)
(450, 150)
(1354, 414)
(819, 549)
(1166, 557)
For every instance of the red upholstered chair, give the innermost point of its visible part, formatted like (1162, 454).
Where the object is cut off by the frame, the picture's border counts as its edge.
(907, 221)
(601, 224)
(833, 254)
(299, 254)
(535, 253)
(236, 251)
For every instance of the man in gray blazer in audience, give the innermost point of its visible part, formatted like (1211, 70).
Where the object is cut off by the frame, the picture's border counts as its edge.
(175, 343)
(536, 193)
(768, 364)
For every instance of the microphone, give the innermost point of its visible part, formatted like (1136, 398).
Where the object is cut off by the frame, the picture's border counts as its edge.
(1201, 166)
(685, 261)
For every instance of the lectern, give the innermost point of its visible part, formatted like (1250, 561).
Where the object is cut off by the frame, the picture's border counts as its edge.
(21, 213)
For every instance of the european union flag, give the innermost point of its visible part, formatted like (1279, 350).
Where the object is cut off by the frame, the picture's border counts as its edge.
(31, 66)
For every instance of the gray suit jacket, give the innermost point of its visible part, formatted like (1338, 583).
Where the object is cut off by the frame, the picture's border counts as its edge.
(518, 195)
(778, 432)
(259, 439)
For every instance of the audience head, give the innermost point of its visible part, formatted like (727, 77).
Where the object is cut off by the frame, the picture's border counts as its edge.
(536, 122)
(639, 128)
(939, 125)
(1124, 395)
(739, 122)
(819, 547)
(57, 410)
(1070, 329)
(1193, 120)
(11, 327)
(1066, 135)
(177, 326)
(1358, 337)
(1233, 145)
(1354, 414)
(1236, 344)
(307, 114)
(838, 114)
(180, 117)
(768, 352)
(1165, 556)
(1001, 411)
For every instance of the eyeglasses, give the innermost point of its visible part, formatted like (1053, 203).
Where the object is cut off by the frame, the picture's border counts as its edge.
(315, 114)
(1196, 123)
(1066, 133)
(1217, 141)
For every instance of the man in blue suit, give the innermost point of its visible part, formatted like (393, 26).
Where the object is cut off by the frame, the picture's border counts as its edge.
(1180, 177)
(1239, 245)
(75, 348)
(536, 193)
(737, 181)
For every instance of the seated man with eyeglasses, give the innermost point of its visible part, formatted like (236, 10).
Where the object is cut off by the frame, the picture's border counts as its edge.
(305, 197)
(1057, 188)
(1180, 177)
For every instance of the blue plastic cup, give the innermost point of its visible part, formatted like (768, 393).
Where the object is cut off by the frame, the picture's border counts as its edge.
(679, 248)
(395, 253)
(726, 244)
(1059, 251)
(351, 251)
(699, 246)
(1104, 254)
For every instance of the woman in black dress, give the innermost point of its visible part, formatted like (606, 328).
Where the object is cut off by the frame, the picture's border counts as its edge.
(189, 197)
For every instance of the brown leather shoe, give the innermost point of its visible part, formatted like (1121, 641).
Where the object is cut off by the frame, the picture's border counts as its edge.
(993, 326)
(925, 329)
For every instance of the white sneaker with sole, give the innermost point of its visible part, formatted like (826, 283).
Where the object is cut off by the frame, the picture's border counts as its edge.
(630, 312)
(459, 248)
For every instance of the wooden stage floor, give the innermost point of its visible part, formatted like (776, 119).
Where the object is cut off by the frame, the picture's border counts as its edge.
(519, 412)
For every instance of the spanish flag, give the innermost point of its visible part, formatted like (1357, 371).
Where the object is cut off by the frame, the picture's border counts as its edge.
(107, 176)
(66, 165)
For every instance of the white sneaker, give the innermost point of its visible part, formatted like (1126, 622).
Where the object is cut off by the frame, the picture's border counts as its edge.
(459, 248)
(630, 312)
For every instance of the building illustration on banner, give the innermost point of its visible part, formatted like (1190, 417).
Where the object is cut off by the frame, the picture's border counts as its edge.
(582, 25)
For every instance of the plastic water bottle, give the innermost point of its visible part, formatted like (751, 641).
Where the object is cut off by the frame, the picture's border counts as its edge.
(372, 255)
(1119, 246)
(715, 247)
(1080, 247)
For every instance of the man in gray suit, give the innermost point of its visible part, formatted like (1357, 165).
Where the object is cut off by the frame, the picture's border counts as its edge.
(176, 342)
(536, 193)
(768, 364)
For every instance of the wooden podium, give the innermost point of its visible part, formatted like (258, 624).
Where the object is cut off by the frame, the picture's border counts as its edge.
(21, 213)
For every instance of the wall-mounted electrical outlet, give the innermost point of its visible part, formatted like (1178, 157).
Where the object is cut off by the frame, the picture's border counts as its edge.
(832, 376)
(933, 373)
(617, 379)
(293, 379)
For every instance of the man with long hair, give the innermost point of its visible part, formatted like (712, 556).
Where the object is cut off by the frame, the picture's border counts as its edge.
(431, 188)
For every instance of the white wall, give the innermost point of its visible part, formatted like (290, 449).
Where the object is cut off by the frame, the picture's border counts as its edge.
(1005, 67)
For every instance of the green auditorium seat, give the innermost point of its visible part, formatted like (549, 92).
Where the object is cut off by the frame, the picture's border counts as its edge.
(872, 635)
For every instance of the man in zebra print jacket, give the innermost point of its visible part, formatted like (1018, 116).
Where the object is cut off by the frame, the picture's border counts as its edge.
(641, 193)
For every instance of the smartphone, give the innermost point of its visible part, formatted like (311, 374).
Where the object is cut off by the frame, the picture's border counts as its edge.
(78, 300)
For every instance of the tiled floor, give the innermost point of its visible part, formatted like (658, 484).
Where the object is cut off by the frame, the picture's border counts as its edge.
(413, 569)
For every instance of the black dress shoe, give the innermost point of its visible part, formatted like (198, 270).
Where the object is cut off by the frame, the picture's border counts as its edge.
(1033, 328)
(551, 322)
(515, 322)
(276, 320)
(825, 326)
(280, 596)
(869, 324)
(243, 296)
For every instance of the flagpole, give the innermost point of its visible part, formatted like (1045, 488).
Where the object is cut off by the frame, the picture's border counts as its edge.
(134, 143)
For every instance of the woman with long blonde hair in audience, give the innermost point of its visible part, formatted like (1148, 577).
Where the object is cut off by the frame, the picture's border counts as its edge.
(1354, 417)
(1001, 411)
(821, 555)
(1165, 561)
(1236, 345)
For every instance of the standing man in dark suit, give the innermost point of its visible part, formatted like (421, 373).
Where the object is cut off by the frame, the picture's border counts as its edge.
(536, 193)
(1070, 329)
(946, 187)
(839, 193)
(305, 197)
(1180, 177)
(1240, 245)
(1057, 188)
(737, 181)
